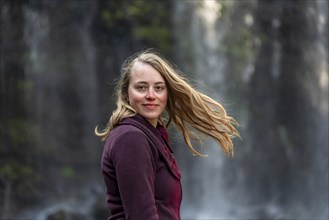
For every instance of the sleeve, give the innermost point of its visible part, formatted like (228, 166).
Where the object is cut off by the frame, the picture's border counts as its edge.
(135, 168)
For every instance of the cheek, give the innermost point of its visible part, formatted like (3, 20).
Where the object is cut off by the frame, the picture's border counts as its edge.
(134, 97)
(164, 98)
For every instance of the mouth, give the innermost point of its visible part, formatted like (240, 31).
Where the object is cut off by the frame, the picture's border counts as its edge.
(150, 106)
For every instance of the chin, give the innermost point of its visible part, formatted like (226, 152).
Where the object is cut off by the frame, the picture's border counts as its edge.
(151, 117)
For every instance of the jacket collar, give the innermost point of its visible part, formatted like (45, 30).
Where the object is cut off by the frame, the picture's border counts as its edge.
(160, 131)
(157, 139)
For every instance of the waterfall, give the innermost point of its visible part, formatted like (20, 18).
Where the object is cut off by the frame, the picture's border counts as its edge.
(63, 104)
(239, 53)
(206, 194)
(62, 66)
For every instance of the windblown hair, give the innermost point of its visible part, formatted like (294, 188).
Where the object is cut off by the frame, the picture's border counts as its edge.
(188, 109)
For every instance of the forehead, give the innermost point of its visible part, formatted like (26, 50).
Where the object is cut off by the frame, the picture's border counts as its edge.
(145, 72)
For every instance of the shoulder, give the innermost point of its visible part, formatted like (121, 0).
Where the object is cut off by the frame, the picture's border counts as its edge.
(129, 144)
(126, 139)
(126, 133)
(123, 130)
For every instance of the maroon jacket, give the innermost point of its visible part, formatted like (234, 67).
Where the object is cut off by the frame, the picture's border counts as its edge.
(140, 173)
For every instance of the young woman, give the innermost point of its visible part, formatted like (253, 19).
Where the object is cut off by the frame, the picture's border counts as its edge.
(140, 172)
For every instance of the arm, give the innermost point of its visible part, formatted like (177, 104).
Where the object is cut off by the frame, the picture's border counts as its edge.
(135, 167)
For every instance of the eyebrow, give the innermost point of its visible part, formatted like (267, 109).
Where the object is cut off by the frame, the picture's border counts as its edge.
(146, 83)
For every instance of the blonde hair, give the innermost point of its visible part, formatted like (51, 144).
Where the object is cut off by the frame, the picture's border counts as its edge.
(186, 108)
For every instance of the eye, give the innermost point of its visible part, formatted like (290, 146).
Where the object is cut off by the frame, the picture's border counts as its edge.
(159, 88)
(141, 87)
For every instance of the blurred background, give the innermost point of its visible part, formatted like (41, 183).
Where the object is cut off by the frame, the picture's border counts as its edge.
(265, 61)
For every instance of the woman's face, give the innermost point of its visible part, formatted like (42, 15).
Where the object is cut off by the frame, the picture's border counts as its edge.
(147, 92)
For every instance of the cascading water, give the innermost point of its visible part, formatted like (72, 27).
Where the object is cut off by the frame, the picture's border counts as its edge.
(62, 63)
(225, 46)
(206, 195)
(61, 67)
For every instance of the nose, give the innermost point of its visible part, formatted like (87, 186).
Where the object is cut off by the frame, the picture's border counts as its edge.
(150, 94)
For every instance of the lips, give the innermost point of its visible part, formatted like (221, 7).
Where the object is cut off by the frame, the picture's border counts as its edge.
(150, 106)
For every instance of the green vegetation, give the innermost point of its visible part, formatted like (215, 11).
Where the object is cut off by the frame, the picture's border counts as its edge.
(144, 22)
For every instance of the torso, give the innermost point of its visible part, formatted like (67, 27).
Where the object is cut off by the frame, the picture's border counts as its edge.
(153, 169)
